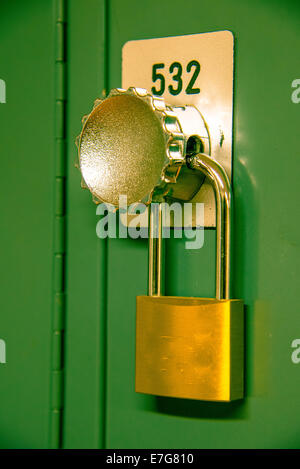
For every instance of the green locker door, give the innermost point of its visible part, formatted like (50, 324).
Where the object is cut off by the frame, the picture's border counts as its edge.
(104, 276)
(32, 222)
(68, 298)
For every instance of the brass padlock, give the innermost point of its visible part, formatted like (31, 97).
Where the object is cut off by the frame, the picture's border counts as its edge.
(192, 347)
(134, 144)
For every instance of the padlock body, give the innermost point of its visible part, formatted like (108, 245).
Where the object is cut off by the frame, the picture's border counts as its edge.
(190, 348)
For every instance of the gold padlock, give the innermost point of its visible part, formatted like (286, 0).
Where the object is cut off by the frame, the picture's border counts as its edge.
(134, 144)
(192, 347)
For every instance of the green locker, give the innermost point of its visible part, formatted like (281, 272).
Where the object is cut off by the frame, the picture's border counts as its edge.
(68, 297)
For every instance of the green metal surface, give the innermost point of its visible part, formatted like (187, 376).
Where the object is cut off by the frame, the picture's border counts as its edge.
(266, 247)
(86, 259)
(27, 58)
(267, 253)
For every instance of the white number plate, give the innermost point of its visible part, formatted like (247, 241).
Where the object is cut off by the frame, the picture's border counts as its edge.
(194, 69)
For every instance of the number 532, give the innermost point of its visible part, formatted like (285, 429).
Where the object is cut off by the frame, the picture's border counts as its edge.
(175, 70)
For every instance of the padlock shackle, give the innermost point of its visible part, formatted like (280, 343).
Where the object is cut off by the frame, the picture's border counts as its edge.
(223, 194)
(155, 250)
(222, 189)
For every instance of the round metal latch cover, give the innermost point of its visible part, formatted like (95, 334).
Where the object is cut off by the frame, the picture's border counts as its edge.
(132, 144)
